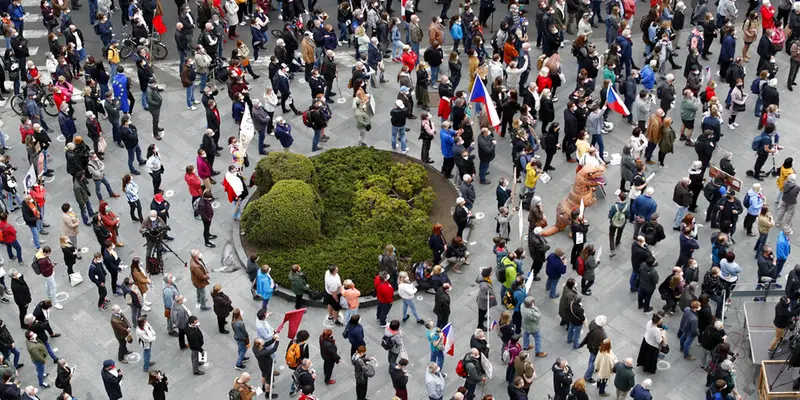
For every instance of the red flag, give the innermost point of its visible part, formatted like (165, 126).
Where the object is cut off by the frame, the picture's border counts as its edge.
(444, 107)
(293, 318)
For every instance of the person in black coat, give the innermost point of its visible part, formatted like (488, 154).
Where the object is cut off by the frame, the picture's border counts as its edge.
(111, 378)
(441, 305)
(547, 111)
(111, 262)
(509, 107)
(704, 147)
(562, 378)
(461, 216)
(551, 146)
(329, 353)
(22, 295)
(195, 338)
(570, 131)
(263, 351)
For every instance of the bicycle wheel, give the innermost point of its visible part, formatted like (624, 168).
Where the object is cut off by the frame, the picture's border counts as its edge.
(277, 33)
(49, 105)
(159, 51)
(17, 103)
(127, 49)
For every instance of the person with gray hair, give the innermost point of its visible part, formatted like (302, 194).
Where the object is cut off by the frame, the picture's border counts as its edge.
(434, 382)
(562, 378)
(461, 215)
(787, 204)
(169, 294)
(531, 317)
(200, 278)
(642, 390)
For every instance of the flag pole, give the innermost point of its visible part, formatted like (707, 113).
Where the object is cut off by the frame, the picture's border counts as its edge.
(271, 381)
(488, 294)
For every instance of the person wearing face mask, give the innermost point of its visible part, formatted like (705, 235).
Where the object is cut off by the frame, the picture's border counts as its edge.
(96, 169)
(38, 354)
(98, 276)
(154, 101)
(195, 338)
(200, 278)
(155, 167)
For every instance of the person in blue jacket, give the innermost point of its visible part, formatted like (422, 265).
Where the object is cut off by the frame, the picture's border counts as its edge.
(17, 15)
(354, 333)
(648, 77)
(456, 31)
(265, 285)
(643, 208)
(518, 292)
(447, 141)
(104, 29)
(66, 123)
(556, 267)
(283, 132)
(642, 390)
(727, 52)
(782, 250)
(626, 50)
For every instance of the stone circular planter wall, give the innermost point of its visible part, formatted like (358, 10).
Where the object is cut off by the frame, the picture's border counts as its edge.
(446, 194)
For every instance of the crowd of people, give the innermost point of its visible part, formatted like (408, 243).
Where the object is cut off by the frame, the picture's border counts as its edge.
(522, 86)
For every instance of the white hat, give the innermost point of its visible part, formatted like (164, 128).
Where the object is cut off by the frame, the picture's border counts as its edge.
(399, 104)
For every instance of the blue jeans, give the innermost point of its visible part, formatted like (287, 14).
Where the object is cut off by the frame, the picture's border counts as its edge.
(261, 136)
(97, 188)
(182, 57)
(437, 356)
(349, 313)
(15, 246)
(401, 132)
(82, 54)
(415, 48)
(682, 211)
(551, 284)
(92, 11)
(16, 355)
(762, 240)
(131, 152)
(46, 154)
(686, 342)
(590, 369)
(778, 266)
(264, 303)
(237, 210)
(203, 81)
(574, 335)
(190, 95)
(537, 340)
(483, 168)
(11, 198)
(434, 74)
(409, 303)
(598, 139)
(634, 281)
(112, 67)
(144, 100)
(315, 139)
(241, 348)
(86, 211)
(39, 371)
(35, 233)
(383, 312)
(758, 108)
(50, 348)
(146, 359)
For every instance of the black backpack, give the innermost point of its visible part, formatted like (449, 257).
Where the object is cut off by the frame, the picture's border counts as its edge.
(649, 233)
(386, 342)
(710, 190)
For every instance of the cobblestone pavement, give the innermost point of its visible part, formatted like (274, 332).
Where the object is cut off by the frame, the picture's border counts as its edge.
(88, 339)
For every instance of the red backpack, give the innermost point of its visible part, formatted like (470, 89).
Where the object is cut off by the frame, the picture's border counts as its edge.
(581, 267)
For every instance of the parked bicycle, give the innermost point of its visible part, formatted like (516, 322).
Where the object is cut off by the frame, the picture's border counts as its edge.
(157, 49)
(44, 98)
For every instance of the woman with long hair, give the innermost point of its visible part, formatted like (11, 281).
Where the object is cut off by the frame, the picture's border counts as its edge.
(423, 81)
(240, 335)
(604, 365)
(158, 381)
(243, 52)
(406, 289)
(141, 281)
(131, 190)
(454, 65)
(222, 307)
(70, 253)
(329, 353)
(437, 243)
(589, 266)
(146, 336)
(155, 167)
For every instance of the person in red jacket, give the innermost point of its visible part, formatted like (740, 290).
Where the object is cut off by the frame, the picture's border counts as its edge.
(385, 294)
(409, 58)
(195, 186)
(25, 128)
(9, 233)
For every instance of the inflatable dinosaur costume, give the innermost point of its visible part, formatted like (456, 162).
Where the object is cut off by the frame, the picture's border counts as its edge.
(586, 182)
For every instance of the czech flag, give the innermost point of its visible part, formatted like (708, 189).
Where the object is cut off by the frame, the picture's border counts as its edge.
(494, 324)
(614, 102)
(480, 95)
(449, 340)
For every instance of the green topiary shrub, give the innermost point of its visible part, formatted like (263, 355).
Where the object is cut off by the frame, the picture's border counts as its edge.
(278, 166)
(288, 216)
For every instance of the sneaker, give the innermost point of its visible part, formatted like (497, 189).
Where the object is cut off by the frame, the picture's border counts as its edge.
(196, 102)
(648, 310)
(4, 300)
(731, 126)
(45, 385)
(541, 354)
(58, 306)
(239, 367)
(192, 108)
(690, 358)
(736, 124)
(591, 380)
(421, 321)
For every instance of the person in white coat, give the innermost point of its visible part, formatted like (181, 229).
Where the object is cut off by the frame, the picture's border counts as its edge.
(333, 289)
(146, 336)
(270, 102)
(231, 17)
(514, 73)
(406, 289)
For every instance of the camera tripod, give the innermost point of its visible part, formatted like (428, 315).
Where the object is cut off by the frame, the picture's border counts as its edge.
(783, 368)
(159, 248)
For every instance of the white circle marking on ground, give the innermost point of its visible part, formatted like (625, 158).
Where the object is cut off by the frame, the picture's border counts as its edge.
(61, 138)
(50, 179)
(472, 243)
(215, 204)
(19, 221)
(420, 298)
(662, 365)
(63, 296)
(341, 100)
(133, 357)
(169, 193)
(84, 250)
(479, 215)
(525, 237)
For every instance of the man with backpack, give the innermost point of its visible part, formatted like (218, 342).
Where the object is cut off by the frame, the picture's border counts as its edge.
(753, 201)
(762, 145)
(314, 118)
(392, 341)
(295, 355)
(506, 272)
(652, 231)
(43, 266)
(618, 216)
(713, 192)
(472, 370)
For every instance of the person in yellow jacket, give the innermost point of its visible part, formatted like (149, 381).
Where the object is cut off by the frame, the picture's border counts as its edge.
(113, 57)
(307, 50)
(786, 170)
(532, 171)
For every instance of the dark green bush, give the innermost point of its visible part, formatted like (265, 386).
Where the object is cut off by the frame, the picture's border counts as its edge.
(367, 201)
(289, 215)
(278, 166)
